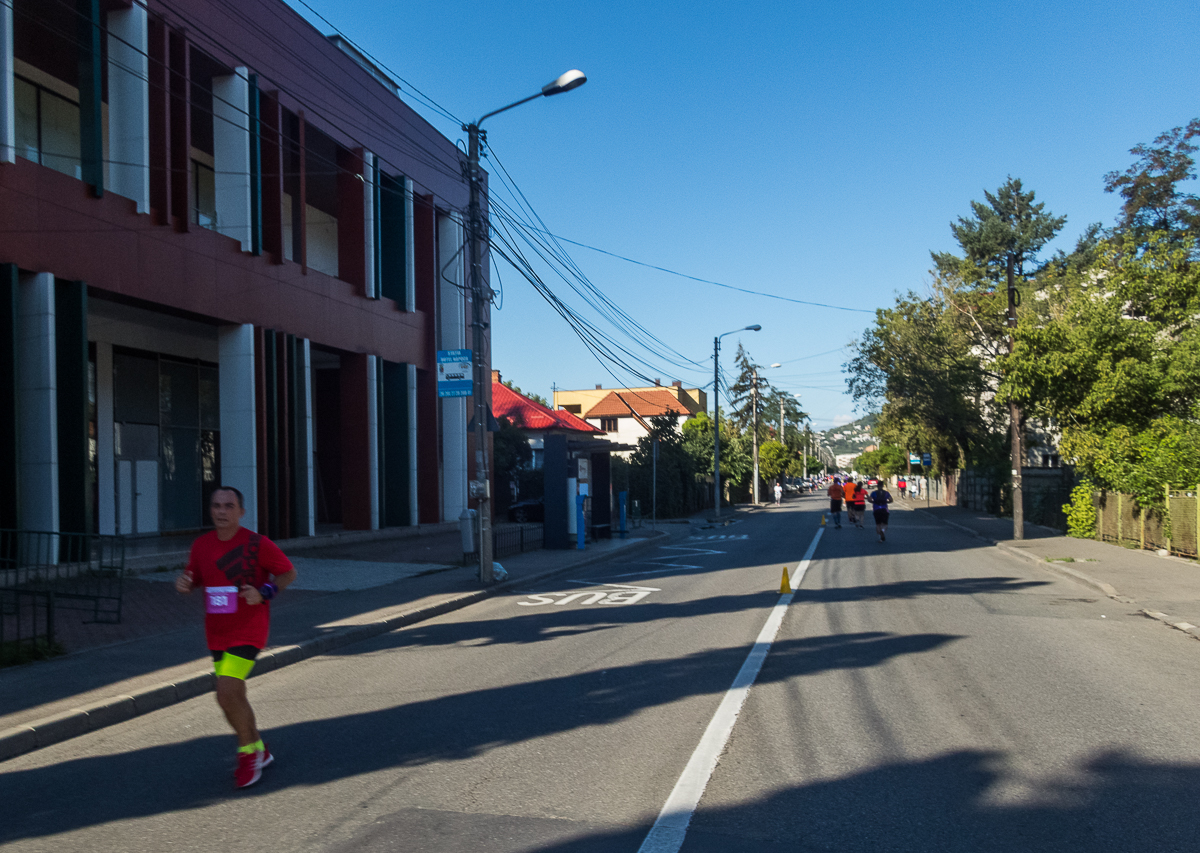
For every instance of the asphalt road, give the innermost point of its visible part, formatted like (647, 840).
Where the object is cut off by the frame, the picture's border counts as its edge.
(927, 693)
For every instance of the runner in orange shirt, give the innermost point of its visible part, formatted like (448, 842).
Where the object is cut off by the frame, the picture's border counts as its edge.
(836, 494)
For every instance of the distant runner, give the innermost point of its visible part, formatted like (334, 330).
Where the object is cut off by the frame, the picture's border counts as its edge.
(856, 499)
(901, 486)
(240, 572)
(880, 498)
(778, 494)
(835, 502)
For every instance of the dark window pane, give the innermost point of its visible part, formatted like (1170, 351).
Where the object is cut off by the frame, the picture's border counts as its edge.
(135, 389)
(179, 484)
(210, 399)
(179, 394)
(136, 441)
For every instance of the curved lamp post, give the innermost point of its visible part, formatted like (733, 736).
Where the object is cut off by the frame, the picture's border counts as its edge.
(717, 414)
(479, 488)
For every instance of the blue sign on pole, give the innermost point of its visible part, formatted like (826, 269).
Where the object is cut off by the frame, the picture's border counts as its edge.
(454, 373)
(926, 459)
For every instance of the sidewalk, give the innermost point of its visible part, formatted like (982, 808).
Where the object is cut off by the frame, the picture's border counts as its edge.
(1164, 588)
(344, 593)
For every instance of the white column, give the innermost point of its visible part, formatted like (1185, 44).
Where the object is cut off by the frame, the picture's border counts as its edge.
(452, 334)
(410, 265)
(106, 482)
(37, 403)
(129, 104)
(8, 117)
(373, 369)
(370, 179)
(308, 519)
(231, 154)
(411, 382)
(239, 448)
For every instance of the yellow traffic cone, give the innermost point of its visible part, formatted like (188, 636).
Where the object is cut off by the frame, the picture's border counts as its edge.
(785, 585)
(822, 519)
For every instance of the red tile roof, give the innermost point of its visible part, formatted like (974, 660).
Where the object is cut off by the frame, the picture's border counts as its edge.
(658, 401)
(528, 414)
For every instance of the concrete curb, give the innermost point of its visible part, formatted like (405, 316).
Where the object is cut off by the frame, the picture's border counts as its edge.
(19, 740)
(1187, 627)
(1074, 574)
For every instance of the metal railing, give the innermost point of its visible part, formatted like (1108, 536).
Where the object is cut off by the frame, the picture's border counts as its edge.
(516, 539)
(79, 571)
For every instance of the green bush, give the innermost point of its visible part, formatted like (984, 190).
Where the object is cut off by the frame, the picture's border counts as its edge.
(1081, 512)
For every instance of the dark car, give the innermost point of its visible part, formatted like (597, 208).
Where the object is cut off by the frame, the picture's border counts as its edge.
(530, 509)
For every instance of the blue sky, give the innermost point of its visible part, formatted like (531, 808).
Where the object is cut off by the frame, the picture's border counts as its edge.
(813, 150)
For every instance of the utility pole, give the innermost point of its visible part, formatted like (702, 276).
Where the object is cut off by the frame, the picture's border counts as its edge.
(480, 487)
(754, 421)
(481, 298)
(1014, 415)
(717, 426)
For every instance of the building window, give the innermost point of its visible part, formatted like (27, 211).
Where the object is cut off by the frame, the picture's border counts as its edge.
(1050, 460)
(47, 127)
(608, 424)
(204, 189)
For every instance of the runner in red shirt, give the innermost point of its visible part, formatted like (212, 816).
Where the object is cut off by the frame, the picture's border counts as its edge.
(240, 572)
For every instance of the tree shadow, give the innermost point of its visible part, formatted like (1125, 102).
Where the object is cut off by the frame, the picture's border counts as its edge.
(1113, 801)
(104, 789)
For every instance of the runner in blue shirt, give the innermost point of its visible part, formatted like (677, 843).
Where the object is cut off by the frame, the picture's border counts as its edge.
(880, 498)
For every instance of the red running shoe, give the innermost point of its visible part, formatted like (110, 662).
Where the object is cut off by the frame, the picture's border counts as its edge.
(265, 757)
(249, 769)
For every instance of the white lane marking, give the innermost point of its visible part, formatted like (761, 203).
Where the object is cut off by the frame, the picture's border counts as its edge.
(722, 536)
(669, 831)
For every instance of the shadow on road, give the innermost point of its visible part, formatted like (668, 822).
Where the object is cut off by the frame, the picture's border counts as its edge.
(1112, 802)
(192, 774)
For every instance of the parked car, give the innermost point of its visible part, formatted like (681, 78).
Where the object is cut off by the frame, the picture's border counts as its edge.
(530, 509)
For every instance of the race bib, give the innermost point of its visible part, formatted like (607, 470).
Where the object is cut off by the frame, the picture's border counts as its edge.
(222, 599)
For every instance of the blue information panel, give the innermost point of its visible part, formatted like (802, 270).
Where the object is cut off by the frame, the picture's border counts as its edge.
(926, 459)
(454, 372)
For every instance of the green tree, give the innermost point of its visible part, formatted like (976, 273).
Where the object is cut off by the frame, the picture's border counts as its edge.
(678, 491)
(925, 367)
(998, 241)
(773, 459)
(750, 394)
(1153, 200)
(1112, 355)
(885, 461)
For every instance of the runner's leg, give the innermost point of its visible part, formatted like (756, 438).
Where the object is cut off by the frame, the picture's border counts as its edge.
(231, 696)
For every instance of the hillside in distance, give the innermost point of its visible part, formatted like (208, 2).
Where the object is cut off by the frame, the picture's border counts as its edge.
(852, 437)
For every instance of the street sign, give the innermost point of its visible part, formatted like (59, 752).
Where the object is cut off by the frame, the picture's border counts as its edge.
(454, 373)
(926, 459)
(914, 459)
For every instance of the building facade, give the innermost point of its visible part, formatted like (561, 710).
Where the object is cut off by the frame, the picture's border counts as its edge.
(229, 252)
(624, 413)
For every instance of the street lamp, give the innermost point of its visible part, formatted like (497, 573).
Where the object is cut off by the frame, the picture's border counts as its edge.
(479, 487)
(717, 414)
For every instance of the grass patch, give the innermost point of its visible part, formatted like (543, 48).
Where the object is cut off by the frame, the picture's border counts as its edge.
(1060, 559)
(15, 653)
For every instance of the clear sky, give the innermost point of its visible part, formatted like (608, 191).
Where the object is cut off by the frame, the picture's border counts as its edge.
(815, 150)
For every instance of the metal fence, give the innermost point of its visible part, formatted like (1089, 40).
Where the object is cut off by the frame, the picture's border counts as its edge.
(516, 539)
(1120, 519)
(81, 571)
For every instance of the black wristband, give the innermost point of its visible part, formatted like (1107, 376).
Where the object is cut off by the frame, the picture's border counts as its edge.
(268, 591)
